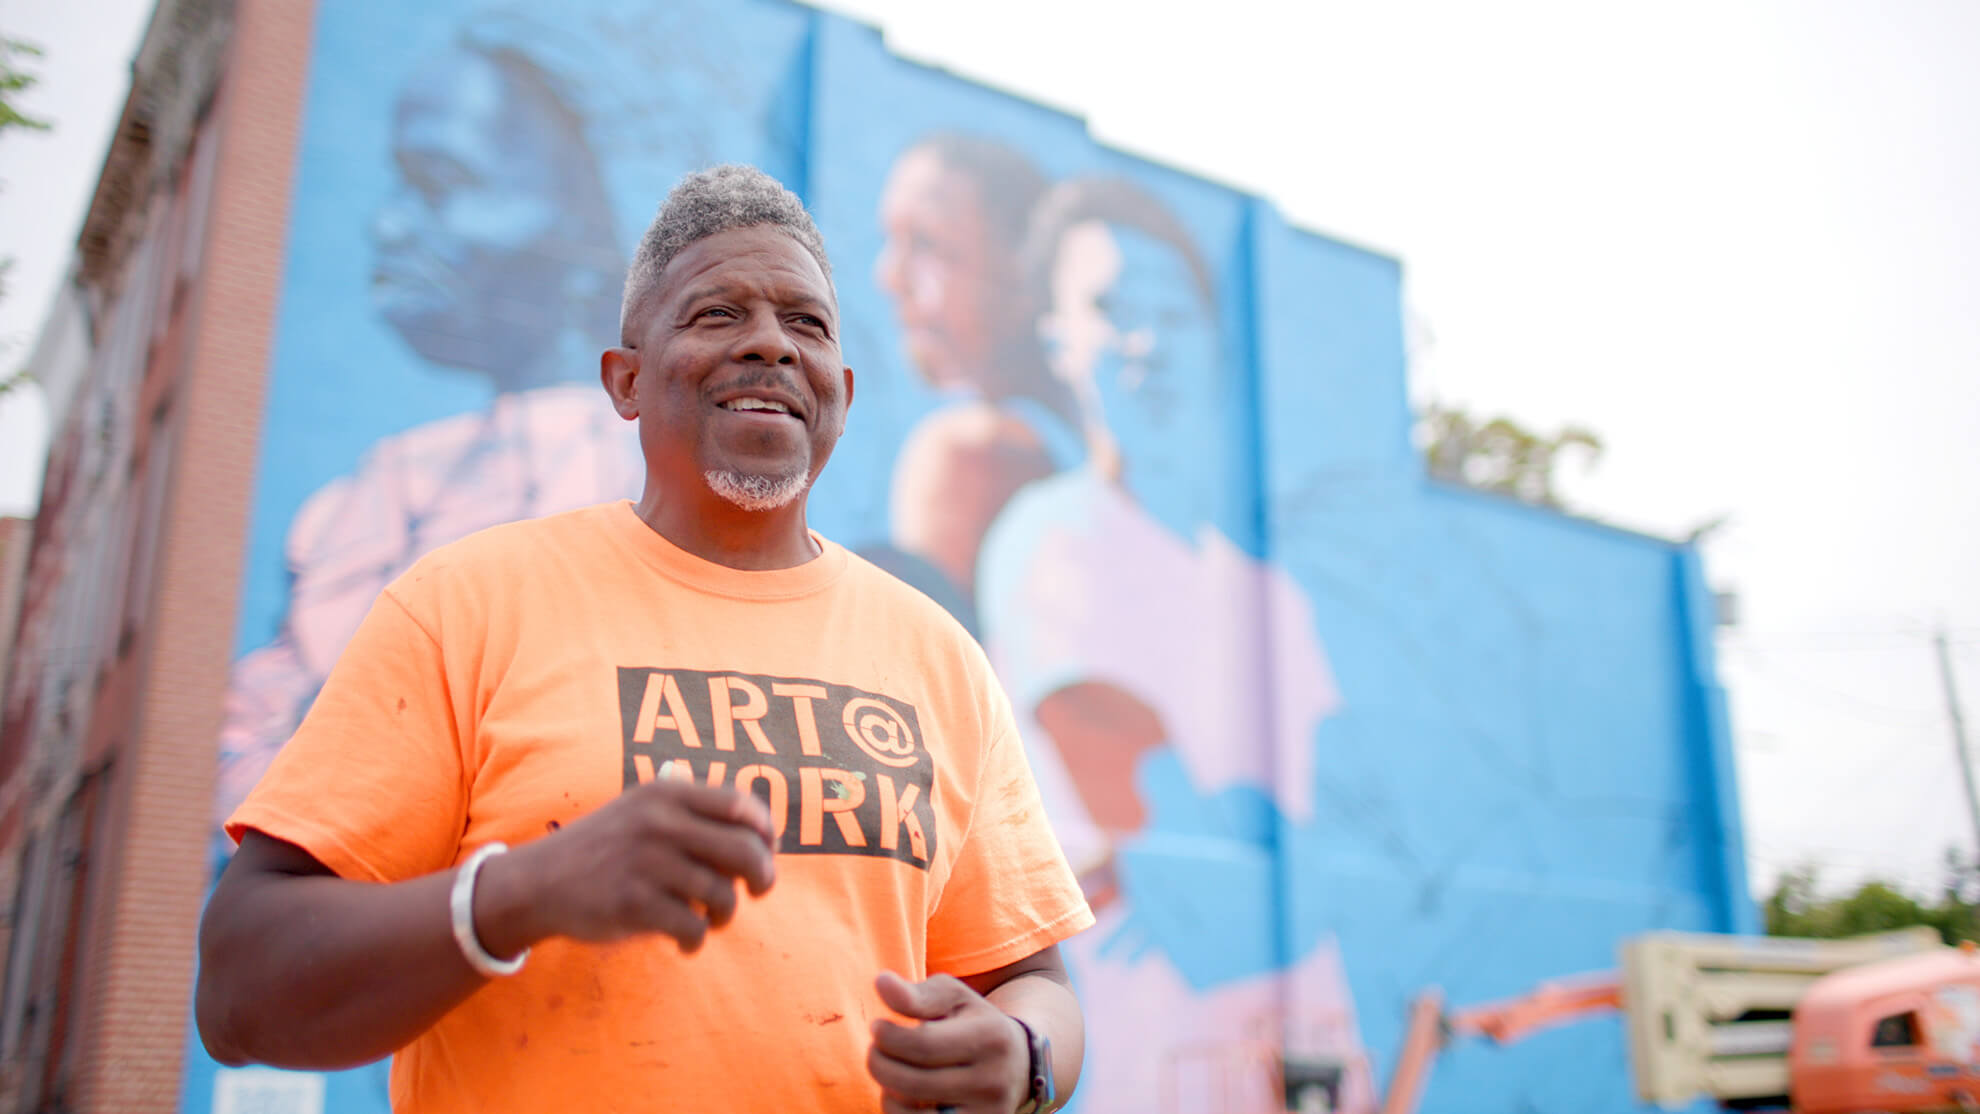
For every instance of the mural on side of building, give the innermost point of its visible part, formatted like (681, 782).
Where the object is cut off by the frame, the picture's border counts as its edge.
(1145, 442)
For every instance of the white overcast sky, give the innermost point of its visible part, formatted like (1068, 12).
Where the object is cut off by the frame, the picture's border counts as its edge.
(1739, 240)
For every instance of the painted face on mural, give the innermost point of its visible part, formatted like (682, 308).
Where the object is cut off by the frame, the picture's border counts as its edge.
(498, 237)
(738, 365)
(949, 281)
(1128, 328)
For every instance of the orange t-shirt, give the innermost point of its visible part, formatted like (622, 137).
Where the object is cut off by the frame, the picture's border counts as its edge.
(517, 679)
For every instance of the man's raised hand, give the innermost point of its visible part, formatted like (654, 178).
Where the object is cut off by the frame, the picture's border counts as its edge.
(664, 857)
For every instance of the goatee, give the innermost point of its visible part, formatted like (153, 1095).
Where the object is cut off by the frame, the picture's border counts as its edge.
(757, 493)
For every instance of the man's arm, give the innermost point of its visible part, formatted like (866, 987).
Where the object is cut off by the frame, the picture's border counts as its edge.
(967, 1053)
(300, 968)
(1037, 991)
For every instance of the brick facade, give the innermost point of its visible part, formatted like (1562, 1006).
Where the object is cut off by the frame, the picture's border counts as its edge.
(181, 257)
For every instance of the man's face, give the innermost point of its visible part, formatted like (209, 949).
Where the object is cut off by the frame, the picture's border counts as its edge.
(1127, 328)
(738, 363)
(494, 202)
(941, 270)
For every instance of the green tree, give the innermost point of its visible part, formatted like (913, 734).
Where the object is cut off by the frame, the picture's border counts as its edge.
(1798, 908)
(15, 80)
(1499, 454)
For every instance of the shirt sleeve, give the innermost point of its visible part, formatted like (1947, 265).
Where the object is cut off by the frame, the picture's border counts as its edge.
(373, 783)
(1010, 892)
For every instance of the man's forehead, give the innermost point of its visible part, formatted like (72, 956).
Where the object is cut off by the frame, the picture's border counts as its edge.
(760, 253)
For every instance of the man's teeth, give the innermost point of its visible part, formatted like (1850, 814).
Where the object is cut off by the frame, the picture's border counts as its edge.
(756, 404)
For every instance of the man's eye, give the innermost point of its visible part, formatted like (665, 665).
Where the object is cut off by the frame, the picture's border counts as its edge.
(715, 310)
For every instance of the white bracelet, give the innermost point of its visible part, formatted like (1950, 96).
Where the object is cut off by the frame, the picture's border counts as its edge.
(461, 903)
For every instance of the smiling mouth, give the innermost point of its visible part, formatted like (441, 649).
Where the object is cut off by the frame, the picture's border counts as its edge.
(757, 406)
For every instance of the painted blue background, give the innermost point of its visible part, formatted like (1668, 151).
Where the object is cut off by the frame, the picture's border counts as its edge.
(1530, 762)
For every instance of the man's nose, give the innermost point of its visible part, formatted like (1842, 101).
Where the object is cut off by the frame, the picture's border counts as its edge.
(763, 339)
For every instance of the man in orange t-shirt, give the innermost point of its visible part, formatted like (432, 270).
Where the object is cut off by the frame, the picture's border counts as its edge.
(654, 702)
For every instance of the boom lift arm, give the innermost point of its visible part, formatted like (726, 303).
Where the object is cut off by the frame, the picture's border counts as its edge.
(1430, 1028)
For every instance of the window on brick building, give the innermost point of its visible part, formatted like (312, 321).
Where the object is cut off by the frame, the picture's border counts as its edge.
(41, 1027)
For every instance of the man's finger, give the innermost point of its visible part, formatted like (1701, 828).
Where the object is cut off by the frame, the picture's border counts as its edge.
(664, 913)
(714, 892)
(918, 1085)
(936, 997)
(719, 802)
(934, 1044)
(735, 851)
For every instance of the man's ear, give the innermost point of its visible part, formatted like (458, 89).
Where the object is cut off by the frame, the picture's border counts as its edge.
(849, 386)
(618, 370)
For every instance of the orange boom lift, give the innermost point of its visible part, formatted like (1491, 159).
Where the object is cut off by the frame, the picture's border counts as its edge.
(1887, 1023)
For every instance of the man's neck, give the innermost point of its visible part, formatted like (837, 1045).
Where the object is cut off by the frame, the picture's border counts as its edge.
(716, 530)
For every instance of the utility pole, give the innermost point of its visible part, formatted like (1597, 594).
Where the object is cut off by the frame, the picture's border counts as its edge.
(1959, 734)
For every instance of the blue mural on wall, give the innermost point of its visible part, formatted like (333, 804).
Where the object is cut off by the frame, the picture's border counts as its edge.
(1316, 732)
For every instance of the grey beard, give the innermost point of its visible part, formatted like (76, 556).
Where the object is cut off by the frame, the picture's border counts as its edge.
(757, 493)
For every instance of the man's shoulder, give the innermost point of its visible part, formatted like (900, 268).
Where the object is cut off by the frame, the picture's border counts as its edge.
(903, 602)
(922, 636)
(913, 620)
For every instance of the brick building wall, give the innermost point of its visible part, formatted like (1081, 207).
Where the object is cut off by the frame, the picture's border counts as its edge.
(15, 533)
(147, 957)
(106, 767)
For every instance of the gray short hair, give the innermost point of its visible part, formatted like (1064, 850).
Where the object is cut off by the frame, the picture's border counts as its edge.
(720, 199)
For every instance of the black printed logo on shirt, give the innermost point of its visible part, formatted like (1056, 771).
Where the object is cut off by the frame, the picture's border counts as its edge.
(844, 771)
